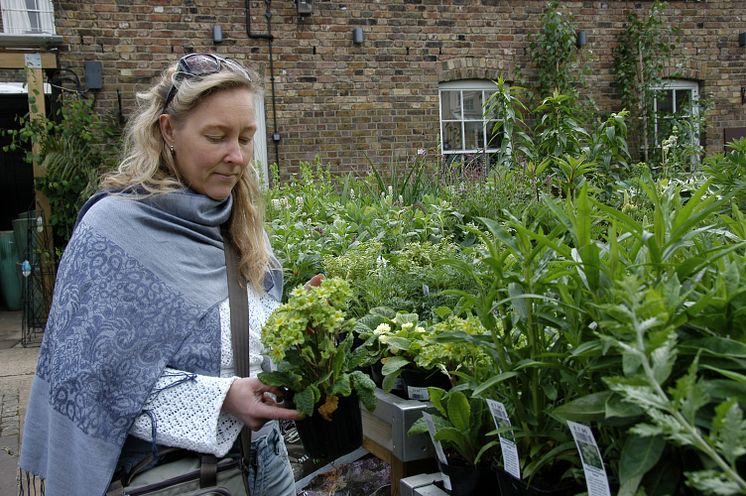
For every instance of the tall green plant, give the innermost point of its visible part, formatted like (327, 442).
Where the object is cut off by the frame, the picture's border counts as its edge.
(554, 53)
(506, 107)
(642, 51)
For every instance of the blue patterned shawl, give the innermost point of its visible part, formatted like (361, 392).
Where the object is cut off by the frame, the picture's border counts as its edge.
(137, 289)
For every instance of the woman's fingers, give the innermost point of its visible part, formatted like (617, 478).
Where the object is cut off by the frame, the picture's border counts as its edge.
(254, 403)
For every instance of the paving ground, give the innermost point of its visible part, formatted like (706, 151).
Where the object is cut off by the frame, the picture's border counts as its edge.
(17, 365)
(360, 474)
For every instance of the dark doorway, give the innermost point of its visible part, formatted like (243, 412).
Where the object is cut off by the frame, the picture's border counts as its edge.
(16, 176)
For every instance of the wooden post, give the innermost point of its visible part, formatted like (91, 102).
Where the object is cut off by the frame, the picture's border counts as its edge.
(37, 110)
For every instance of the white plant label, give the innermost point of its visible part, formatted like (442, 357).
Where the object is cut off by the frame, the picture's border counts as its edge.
(418, 393)
(507, 441)
(438, 447)
(593, 465)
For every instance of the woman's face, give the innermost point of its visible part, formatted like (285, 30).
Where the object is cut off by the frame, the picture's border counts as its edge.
(213, 144)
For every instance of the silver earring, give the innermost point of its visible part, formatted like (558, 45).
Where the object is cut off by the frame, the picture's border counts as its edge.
(171, 147)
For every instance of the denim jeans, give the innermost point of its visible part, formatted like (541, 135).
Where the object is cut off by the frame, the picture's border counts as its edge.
(270, 473)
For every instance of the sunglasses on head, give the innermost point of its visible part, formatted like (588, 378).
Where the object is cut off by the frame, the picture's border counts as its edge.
(199, 65)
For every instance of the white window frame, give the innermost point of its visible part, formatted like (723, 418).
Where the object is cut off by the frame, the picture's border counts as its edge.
(28, 17)
(466, 85)
(675, 85)
(260, 139)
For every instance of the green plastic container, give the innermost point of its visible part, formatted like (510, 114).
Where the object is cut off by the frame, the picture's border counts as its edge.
(9, 276)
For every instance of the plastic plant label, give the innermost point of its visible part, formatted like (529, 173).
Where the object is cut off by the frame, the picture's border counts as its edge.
(418, 393)
(438, 447)
(507, 441)
(593, 465)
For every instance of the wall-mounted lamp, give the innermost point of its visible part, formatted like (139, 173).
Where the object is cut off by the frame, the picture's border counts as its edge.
(305, 7)
(357, 36)
(581, 38)
(217, 34)
(742, 40)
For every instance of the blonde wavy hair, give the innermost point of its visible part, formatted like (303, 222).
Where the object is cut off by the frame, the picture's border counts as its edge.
(149, 164)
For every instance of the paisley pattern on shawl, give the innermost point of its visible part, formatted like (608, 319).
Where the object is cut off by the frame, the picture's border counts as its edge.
(138, 289)
(81, 366)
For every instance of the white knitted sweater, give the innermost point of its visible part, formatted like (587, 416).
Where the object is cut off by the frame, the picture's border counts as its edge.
(188, 415)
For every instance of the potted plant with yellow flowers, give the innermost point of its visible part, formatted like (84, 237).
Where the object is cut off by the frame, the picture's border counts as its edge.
(310, 340)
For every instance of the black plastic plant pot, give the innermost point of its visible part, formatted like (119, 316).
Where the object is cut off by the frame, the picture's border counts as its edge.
(415, 380)
(510, 486)
(377, 375)
(467, 480)
(336, 437)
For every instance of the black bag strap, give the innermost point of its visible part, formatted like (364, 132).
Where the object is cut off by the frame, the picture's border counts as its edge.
(239, 309)
(208, 471)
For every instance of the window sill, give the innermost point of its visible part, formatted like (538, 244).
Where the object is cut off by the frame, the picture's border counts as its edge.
(30, 40)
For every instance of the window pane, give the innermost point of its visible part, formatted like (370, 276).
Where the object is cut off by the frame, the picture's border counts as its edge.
(665, 128)
(452, 136)
(683, 101)
(450, 105)
(664, 101)
(473, 104)
(493, 137)
(474, 135)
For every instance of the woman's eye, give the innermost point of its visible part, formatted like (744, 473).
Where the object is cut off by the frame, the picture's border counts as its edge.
(215, 139)
(244, 141)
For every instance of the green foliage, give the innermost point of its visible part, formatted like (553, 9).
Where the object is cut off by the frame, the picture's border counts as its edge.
(310, 339)
(72, 148)
(554, 53)
(642, 329)
(639, 57)
(399, 340)
(728, 172)
(461, 425)
(541, 255)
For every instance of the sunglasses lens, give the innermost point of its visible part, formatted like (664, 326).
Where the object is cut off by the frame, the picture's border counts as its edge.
(199, 64)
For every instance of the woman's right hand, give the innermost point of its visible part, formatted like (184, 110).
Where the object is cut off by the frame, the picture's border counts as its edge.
(254, 403)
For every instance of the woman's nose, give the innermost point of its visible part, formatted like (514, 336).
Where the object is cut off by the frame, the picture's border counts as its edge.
(235, 153)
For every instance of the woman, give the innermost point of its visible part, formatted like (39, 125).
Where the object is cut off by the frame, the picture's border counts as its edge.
(137, 349)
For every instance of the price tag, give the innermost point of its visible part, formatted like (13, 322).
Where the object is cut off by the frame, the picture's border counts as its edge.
(507, 440)
(418, 393)
(438, 447)
(593, 465)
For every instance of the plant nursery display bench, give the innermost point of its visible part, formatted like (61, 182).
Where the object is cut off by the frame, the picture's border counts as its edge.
(385, 436)
(421, 485)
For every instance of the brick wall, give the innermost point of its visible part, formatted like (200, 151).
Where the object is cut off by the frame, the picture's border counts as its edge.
(348, 103)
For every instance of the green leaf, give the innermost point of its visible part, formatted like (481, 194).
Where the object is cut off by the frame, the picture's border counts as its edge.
(589, 408)
(639, 455)
(275, 378)
(304, 400)
(717, 346)
(729, 430)
(456, 438)
(616, 407)
(393, 364)
(435, 395)
(734, 376)
(365, 388)
(662, 360)
(459, 410)
(389, 381)
(342, 387)
(493, 381)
